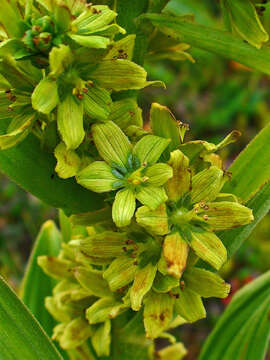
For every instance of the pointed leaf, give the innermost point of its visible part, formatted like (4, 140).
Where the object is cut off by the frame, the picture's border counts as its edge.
(21, 336)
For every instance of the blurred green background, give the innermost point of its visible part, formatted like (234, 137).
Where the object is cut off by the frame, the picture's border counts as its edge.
(214, 97)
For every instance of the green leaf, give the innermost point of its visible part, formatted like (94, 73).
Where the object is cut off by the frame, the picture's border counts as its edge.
(212, 40)
(260, 205)
(33, 169)
(21, 336)
(243, 330)
(251, 169)
(36, 285)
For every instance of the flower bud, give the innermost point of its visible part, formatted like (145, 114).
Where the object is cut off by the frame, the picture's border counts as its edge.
(75, 333)
(172, 352)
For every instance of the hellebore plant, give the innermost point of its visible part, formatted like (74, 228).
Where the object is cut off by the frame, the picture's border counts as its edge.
(141, 263)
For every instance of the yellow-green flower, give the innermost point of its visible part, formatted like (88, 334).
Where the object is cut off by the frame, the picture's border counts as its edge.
(133, 171)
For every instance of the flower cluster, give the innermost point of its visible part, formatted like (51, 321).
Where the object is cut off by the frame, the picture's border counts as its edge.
(146, 250)
(59, 65)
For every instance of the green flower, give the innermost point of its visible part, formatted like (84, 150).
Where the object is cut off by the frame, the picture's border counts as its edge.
(194, 211)
(133, 171)
(46, 24)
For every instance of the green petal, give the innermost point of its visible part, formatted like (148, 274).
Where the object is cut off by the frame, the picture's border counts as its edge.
(149, 148)
(102, 310)
(180, 183)
(125, 113)
(142, 284)
(227, 215)
(209, 248)
(158, 312)
(55, 267)
(206, 283)
(123, 207)
(68, 162)
(97, 177)
(91, 41)
(164, 124)
(122, 48)
(158, 174)
(152, 196)
(173, 352)
(189, 305)
(97, 103)
(70, 121)
(112, 144)
(155, 221)
(60, 59)
(110, 31)
(45, 96)
(207, 184)
(101, 340)
(93, 19)
(120, 273)
(91, 281)
(18, 129)
(175, 252)
(164, 283)
(119, 75)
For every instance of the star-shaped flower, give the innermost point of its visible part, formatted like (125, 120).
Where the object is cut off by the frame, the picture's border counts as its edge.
(133, 170)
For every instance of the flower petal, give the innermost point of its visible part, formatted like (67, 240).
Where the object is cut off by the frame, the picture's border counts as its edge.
(60, 59)
(91, 41)
(70, 121)
(142, 284)
(93, 19)
(158, 174)
(149, 148)
(97, 103)
(45, 96)
(97, 177)
(112, 144)
(102, 310)
(175, 252)
(158, 312)
(119, 75)
(164, 124)
(155, 221)
(75, 333)
(17, 130)
(101, 339)
(123, 207)
(189, 305)
(209, 248)
(180, 183)
(126, 112)
(120, 273)
(207, 184)
(206, 283)
(68, 162)
(226, 215)
(151, 196)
